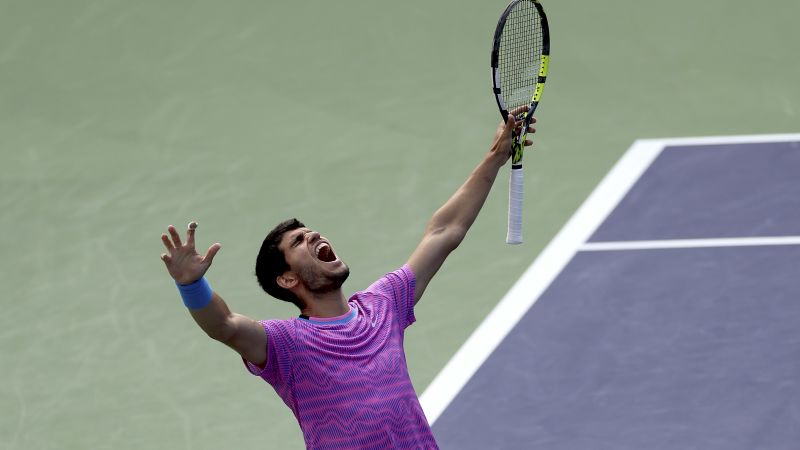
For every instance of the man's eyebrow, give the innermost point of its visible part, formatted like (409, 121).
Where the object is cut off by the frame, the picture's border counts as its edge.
(298, 237)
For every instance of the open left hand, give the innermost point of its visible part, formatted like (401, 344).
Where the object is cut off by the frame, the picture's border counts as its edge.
(183, 262)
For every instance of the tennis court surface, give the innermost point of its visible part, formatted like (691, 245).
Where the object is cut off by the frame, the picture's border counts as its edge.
(664, 315)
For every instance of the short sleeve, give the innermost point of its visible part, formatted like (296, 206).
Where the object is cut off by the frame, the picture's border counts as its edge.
(399, 287)
(280, 342)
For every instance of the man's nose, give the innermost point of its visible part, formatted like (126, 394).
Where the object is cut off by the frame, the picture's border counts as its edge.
(312, 236)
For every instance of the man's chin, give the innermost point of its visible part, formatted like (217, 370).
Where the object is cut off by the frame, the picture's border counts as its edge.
(332, 280)
(341, 275)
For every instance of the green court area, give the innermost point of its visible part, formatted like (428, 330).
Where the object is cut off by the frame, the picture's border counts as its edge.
(360, 118)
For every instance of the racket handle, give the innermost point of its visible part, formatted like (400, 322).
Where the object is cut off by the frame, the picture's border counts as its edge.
(515, 192)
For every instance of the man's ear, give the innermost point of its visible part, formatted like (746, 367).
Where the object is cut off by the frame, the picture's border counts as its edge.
(287, 280)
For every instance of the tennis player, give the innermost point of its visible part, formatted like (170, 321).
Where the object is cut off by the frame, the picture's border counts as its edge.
(340, 366)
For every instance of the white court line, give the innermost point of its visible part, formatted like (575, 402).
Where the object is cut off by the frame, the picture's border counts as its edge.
(715, 140)
(689, 243)
(494, 328)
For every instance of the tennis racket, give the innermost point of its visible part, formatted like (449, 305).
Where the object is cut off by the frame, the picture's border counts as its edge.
(520, 55)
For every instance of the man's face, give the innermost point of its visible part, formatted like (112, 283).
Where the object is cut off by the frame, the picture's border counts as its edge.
(311, 256)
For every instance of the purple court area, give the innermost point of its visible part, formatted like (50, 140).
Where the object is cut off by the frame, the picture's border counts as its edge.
(712, 191)
(691, 348)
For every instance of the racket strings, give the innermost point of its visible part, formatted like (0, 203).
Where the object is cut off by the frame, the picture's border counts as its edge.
(520, 54)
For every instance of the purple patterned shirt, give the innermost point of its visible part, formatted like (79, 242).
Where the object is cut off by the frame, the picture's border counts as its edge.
(345, 378)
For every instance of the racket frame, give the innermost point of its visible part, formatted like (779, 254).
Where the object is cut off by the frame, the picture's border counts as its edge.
(516, 184)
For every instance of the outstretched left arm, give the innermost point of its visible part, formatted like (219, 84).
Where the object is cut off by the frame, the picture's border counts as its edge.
(450, 223)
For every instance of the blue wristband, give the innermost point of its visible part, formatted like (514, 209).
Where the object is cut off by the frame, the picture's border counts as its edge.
(197, 294)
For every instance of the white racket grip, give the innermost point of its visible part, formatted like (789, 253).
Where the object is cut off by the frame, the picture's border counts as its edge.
(515, 193)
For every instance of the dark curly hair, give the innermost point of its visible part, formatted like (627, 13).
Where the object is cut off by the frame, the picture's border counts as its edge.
(271, 262)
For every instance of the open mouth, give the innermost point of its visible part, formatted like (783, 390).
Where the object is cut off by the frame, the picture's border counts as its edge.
(324, 253)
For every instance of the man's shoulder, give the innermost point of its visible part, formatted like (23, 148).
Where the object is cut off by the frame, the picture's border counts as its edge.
(392, 282)
(280, 329)
(278, 322)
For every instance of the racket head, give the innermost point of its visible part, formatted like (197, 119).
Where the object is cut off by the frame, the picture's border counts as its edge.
(520, 59)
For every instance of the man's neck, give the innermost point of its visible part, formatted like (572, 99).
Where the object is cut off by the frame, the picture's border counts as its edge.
(329, 304)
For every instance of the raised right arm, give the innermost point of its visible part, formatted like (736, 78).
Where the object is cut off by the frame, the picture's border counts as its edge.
(244, 335)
